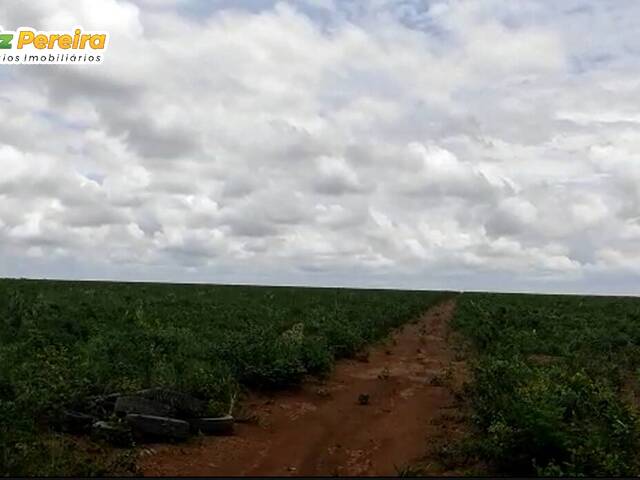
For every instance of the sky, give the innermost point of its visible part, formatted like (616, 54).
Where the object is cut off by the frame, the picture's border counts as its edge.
(467, 145)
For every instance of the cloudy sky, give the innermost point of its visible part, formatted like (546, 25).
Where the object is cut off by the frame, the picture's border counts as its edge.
(398, 143)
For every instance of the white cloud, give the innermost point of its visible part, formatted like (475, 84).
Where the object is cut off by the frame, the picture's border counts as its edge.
(334, 176)
(452, 144)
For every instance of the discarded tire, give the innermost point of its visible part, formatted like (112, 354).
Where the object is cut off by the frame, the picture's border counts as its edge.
(76, 422)
(156, 413)
(213, 425)
(158, 427)
(140, 405)
(116, 434)
(100, 406)
(183, 405)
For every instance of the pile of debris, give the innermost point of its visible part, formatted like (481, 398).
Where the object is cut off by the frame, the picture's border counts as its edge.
(155, 414)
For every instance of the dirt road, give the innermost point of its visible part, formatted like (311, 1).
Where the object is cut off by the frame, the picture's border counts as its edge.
(325, 429)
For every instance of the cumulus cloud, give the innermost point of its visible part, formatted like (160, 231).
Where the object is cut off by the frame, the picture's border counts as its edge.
(430, 170)
(335, 177)
(399, 143)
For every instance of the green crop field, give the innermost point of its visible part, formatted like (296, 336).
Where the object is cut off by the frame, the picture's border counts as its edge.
(61, 342)
(555, 385)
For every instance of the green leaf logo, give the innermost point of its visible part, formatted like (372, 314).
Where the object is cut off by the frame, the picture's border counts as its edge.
(5, 41)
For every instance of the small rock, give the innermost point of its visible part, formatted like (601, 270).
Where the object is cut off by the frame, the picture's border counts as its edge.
(116, 434)
(140, 405)
(158, 427)
(145, 452)
(213, 425)
(363, 399)
(323, 392)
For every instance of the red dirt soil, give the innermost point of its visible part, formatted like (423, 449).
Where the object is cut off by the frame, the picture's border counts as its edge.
(322, 429)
